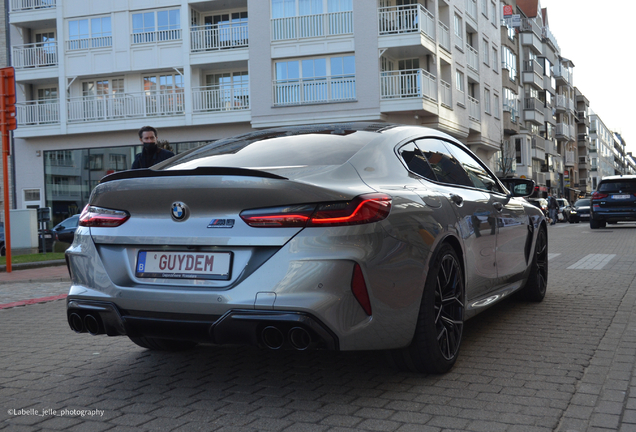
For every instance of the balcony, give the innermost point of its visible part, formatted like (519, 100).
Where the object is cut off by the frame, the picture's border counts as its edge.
(217, 98)
(533, 111)
(126, 105)
(312, 26)
(218, 37)
(533, 74)
(314, 90)
(36, 113)
(444, 37)
(407, 19)
(473, 58)
(156, 36)
(584, 162)
(89, 43)
(446, 94)
(35, 55)
(565, 131)
(415, 83)
(474, 113)
(29, 5)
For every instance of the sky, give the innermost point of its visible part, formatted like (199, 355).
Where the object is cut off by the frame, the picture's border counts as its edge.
(597, 37)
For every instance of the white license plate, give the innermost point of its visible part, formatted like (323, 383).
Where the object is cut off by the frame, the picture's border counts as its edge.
(584, 216)
(184, 265)
(620, 196)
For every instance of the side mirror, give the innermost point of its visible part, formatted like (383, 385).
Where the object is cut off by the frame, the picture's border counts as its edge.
(519, 187)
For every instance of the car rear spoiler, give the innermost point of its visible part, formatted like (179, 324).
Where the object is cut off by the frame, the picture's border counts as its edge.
(200, 171)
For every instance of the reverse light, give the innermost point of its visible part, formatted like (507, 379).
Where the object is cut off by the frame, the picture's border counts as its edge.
(360, 210)
(359, 289)
(93, 216)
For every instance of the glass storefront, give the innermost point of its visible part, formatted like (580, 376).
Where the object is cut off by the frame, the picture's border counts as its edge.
(71, 175)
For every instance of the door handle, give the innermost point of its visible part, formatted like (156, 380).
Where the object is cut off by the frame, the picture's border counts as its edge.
(457, 199)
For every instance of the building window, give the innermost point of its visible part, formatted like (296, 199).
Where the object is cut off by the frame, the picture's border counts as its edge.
(156, 26)
(493, 13)
(293, 19)
(487, 101)
(32, 194)
(495, 60)
(89, 33)
(486, 51)
(118, 162)
(496, 107)
(460, 86)
(509, 61)
(459, 32)
(315, 80)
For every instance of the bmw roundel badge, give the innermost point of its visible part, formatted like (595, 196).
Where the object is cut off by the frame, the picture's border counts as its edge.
(179, 211)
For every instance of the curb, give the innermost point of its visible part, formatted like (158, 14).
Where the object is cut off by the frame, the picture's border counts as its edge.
(39, 264)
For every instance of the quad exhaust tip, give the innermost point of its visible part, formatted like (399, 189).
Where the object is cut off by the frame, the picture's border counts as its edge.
(274, 338)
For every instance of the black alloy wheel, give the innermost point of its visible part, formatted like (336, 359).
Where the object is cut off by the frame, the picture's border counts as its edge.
(537, 282)
(440, 323)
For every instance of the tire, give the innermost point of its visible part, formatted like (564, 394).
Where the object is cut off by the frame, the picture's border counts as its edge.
(537, 282)
(593, 224)
(162, 344)
(440, 322)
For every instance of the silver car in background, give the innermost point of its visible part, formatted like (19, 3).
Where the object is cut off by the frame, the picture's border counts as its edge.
(341, 237)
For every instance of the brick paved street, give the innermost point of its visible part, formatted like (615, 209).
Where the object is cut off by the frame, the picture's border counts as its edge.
(567, 364)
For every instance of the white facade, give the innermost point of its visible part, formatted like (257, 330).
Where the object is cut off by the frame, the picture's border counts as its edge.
(89, 74)
(601, 155)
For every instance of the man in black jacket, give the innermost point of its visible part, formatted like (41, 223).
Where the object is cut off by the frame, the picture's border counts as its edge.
(151, 153)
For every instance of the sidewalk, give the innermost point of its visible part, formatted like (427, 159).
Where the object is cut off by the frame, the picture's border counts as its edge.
(34, 283)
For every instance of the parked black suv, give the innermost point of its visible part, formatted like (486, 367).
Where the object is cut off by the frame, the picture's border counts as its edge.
(614, 201)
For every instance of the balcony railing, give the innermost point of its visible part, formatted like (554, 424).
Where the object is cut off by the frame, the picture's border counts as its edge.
(473, 109)
(126, 105)
(414, 83)
(444, 36)
(311, 26)
(565, 130)
(34, 113)
(406, 19)
(473, 58)
(533, 104)
(40, 54)
(314, 90)
(446, 94)
(89, 43)
(533, 66)
(156, 36)
(24, 5)
(217, 98)
(219, 36)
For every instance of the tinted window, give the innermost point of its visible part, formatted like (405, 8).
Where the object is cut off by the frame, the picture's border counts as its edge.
(277, 150)
(416, 161)
(447, 169)
(617, 185)
(479, 177)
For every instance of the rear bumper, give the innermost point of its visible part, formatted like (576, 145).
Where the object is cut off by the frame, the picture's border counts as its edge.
(268, 329)
(613, 216)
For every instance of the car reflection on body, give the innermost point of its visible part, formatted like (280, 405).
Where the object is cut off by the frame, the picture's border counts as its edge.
(541, 203)
(343, 237)
(580, 211)
(65, 230)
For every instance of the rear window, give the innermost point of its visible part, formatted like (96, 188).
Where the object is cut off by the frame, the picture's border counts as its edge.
(278, 151)
(617, 185)
(582, 203)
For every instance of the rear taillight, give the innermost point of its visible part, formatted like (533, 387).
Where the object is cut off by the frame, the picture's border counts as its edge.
(359, 289)
(599, 195)
(361, 210)
(102, 217)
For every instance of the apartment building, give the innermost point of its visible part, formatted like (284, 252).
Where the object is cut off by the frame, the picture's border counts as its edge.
(601, 150)
(89, 74)
(530, 58)
(584, 184)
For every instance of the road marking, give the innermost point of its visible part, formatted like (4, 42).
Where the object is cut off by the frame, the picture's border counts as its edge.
(593, 262)
(32, 301)
(553, 255)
